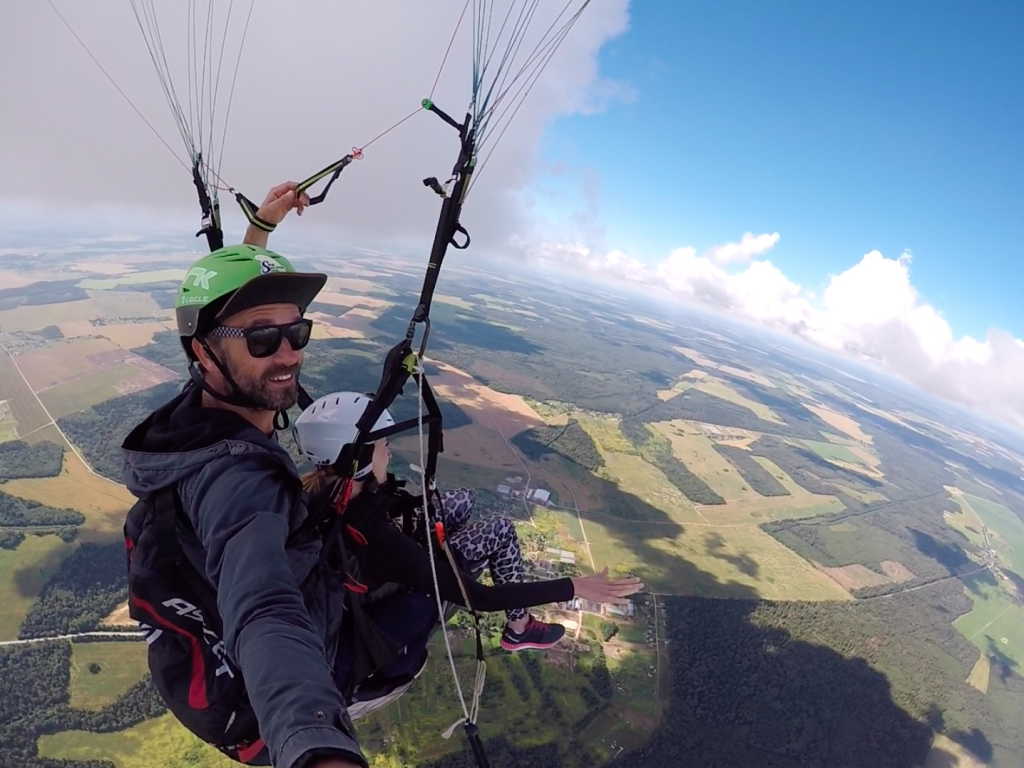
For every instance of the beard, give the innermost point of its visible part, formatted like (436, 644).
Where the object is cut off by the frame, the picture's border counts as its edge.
(267, 395)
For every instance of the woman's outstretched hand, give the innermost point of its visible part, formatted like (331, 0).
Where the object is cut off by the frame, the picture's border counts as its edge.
(598, 588)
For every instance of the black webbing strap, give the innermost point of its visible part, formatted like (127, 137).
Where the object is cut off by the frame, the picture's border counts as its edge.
(333, 170)
(211, 211)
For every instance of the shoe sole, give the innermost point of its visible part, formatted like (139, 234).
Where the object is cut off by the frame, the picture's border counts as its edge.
(528, 646)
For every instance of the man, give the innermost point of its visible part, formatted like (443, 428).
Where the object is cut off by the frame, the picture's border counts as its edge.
(240, 317)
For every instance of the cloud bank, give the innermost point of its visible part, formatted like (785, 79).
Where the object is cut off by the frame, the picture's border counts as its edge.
(315, 79)
(870, 311)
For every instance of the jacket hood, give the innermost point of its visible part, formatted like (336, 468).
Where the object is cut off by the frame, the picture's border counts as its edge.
(181, 437)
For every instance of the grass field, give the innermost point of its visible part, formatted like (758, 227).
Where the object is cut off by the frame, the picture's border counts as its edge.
(87, 391)
(158, 743)
(744, 505)
(121, 665)
(103, 502)
(25, 409)
(980, 672)
(30, 317)
(709, 561)
(23, 572)
(698, 453)
(63, 360)
(996, 622)
(1005, 530)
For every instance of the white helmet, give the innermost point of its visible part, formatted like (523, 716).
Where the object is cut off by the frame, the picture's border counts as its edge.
(329, 424)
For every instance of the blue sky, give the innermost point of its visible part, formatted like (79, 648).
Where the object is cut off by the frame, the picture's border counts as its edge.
(845, 127)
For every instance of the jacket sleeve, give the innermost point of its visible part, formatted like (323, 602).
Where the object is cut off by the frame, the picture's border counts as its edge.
(240, 511)
(392, 556)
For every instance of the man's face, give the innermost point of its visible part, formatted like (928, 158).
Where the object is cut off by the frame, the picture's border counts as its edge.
(272, 382)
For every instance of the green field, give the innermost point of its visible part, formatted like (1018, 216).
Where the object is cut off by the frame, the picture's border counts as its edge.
(81, 394)
(121, 665)
(158, 743)
(23, 572)
(996, 623)
(1006, 531)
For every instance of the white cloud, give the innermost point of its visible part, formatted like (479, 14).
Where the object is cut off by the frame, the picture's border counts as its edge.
(746, 249)
(870, 311)
(315, 79)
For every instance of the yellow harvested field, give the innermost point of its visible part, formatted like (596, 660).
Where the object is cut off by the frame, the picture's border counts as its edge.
(739, 442)
(697, 374)
(510, 414)
(739, 373)
(119, 618)
(455, 301)
(358, 285)
(351, 300)
(840, 421)
(102, 501)
(14, 280)
(980, 673)
(718, 388)
(325, 331)
(677, 389)
(133, 335)
(62, 361)
(78, 328)
(857, 576)
(100, 267)
(28, 318)
(127, 304)
(696, 356)
(946, 753)
(869, 458)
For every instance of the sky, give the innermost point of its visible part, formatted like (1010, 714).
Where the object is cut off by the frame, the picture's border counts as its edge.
(849, 173)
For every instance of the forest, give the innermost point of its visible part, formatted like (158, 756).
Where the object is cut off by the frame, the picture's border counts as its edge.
(22, 513)
(88, 585)
(570, 441)
(34, 679)
(798, 684)
(656, 449)
(758, 478)
(19, 459)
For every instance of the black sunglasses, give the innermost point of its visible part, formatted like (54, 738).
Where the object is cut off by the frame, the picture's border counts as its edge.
(264, 340)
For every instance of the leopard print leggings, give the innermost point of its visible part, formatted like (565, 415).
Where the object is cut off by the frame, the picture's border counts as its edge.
(493, 540)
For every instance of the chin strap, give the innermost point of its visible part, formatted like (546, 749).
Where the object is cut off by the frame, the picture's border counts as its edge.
(236, 398)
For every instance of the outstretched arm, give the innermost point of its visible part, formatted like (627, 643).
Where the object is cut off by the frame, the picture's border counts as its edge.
(393, 556)
(268, 631)
(276, 205)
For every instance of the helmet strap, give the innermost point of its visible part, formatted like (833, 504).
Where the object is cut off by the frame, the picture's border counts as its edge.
(235, 397)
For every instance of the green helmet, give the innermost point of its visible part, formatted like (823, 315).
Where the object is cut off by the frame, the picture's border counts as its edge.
(238, 277)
